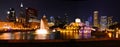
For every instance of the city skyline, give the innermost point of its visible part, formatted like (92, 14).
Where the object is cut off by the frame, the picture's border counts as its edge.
(75, 9)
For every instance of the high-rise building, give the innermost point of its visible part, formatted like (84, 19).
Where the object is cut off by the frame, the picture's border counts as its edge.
(66, 18)
(87, 23)
(22, 11)
(22, 17)
(58, 21)
(52, 19)
(110, 21)
(103, 22)
(90, 20)
(11, 15)
(31, 14)
(95, 19)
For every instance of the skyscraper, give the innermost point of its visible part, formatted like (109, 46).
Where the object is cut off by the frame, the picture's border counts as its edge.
(22, 11)
(95, 19)
(90, 20)
(52, 19)
(66, 18)
(103, 22)
(22, 17)
(58, 21)
(11, 15)
(110, 21)
(31, 14)
(87, 23)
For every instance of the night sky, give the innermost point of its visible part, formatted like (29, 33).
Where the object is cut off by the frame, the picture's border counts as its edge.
(74, 8)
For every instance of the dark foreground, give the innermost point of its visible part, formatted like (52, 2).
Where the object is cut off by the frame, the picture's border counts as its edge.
(61, 43)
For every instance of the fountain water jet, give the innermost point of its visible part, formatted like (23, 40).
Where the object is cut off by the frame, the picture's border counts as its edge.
(42, 29)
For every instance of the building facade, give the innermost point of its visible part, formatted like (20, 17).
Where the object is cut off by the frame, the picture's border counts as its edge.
(110, 21)
(31, 14)
(95, 19)
(11, 15)
(103, 22)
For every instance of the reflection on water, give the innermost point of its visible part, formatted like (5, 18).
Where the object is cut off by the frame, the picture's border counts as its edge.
(110, 35)
(75, 35)
(114, 35)
(5, 36)
(17, 35)
(53, 35)
(41, 36)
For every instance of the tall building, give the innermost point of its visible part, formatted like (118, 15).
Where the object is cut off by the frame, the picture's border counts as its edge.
(95, 19)
(31, 14)
(87, 23)
(66, 18)
(52, 19)
(11, 15)
(58, 21)
(110, 21)
(22, 17)
(103, 22)
(90, 20)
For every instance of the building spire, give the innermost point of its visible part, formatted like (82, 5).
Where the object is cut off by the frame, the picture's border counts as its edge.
(21, 5)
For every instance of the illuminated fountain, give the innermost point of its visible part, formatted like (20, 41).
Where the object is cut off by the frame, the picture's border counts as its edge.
(43, 31)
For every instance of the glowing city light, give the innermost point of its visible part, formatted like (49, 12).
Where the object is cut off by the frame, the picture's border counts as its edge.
(77, 20)
(54, 30)
(8, 12)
